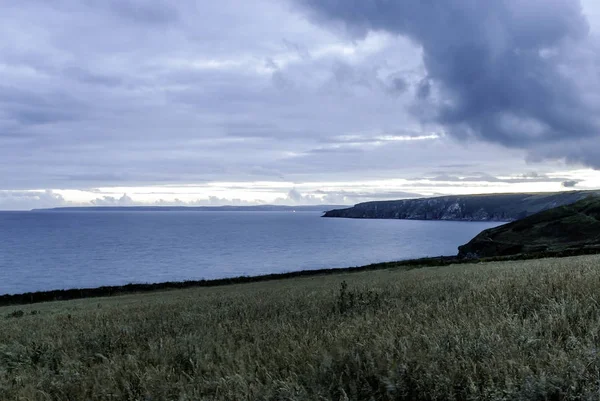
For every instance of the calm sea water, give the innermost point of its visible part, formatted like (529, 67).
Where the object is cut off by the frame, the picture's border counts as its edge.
(44, 251)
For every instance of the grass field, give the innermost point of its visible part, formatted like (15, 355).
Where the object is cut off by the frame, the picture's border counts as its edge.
(494, 331)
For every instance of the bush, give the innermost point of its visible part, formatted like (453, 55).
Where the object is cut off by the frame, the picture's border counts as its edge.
(16, 314)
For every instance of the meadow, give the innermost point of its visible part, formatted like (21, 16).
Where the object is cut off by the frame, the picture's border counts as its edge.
(527, 330)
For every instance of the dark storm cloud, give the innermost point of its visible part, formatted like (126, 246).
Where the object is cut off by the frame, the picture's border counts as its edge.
(509, 71)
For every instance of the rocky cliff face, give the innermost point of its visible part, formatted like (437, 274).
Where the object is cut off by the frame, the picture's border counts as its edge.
(495, 207)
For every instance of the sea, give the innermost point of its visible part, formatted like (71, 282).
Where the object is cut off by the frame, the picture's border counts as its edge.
(61, 250)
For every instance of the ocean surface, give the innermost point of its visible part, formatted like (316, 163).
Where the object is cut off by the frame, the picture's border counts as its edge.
(46, 251)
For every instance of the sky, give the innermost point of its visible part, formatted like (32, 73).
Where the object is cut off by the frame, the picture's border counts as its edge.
(155, 102)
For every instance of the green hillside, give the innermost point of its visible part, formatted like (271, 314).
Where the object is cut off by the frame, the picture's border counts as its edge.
(571, 227)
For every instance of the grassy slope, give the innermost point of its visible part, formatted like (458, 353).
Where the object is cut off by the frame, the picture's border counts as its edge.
(575, 226)
(509, 330)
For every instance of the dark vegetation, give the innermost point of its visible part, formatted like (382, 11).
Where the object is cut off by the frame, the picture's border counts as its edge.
(574, 227)
(493, 207)
(516, 330)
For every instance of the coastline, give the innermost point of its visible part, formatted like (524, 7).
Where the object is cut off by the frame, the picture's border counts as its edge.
(457, 220)
(409, 264)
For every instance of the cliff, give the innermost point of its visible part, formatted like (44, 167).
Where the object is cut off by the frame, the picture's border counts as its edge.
(494, 207)
(571, 227)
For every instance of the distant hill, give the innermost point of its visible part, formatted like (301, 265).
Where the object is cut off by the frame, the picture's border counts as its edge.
(571, 227)
(259, 208)
(493, 207)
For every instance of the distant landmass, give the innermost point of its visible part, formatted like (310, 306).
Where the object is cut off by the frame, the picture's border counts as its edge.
(574, 227)
(493, 207)
(259, 208)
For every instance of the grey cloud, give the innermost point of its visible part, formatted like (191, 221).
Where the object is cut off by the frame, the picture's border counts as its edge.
(423, 89)
(36, 117)
(469, 177)
(89, 77)
(342, 197)
(299, 49)
(396, 159)
(351, 78)
(530, 177)
(154, 11)
(584, 151)
(295, 195)
(34, 108)
(92, 177)
(398, 85)
(376, 136)
(270, 63)
(217, 201)
(281, 81)
(533, 174)
(336, 150)
(458, 165)
(362, 196)
(570, 183)
(250, 129)
(507, 71)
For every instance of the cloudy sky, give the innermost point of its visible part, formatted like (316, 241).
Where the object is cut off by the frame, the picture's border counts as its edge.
(112, 102)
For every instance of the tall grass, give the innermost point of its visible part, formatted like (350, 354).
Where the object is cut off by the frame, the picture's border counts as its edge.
(494, 331)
